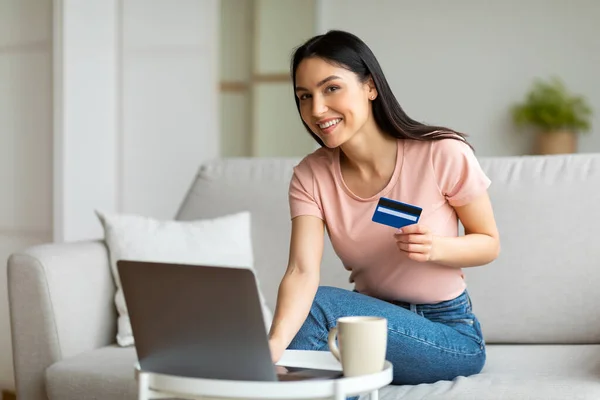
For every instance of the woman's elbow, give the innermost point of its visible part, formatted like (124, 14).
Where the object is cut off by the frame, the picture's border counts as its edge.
(495, 248)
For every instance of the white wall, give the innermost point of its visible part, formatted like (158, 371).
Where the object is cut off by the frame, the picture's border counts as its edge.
(138, 111)
(25, 142)
(135, 113)
(85, 115)
(464, 63)
(169, 100)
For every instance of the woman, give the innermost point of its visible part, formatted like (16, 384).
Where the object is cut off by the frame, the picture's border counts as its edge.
(371, 149)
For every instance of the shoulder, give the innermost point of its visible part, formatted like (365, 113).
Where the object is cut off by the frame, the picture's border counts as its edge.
(457, 171)
(439, 153)
(454, 155)
(450, 148)
(446, 148)
(316, 163)
(304, 195)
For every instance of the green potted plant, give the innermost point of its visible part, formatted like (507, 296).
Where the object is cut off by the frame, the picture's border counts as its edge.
(557, 115)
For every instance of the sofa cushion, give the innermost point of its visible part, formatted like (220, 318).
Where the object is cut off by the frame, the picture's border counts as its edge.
(547, 270)
(225, 241)
(543, 288)
(532, 372)
(105, 373)
(543, 372)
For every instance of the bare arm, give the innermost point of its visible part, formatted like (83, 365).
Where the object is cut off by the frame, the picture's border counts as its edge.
(299, 284)
(479, 246)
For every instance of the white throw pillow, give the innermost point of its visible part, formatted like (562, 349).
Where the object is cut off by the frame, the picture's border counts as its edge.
(224, 241)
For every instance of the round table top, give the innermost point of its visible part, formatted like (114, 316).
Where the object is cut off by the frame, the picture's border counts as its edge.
(195, 387)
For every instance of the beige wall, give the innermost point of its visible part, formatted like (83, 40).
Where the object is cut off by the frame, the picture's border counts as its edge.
(463, 63)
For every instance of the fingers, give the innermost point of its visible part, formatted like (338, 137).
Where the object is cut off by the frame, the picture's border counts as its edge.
(415, 241)
(414, 247)
(414, 228)
(413, 238)
(417, 252)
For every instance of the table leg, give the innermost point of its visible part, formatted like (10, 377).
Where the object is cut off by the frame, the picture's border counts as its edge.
(374, 395)
(339, 394)
(143, 386)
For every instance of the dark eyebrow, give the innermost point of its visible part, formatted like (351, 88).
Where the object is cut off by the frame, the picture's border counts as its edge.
(321, 83)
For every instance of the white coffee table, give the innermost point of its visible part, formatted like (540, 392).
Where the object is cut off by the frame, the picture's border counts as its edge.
(161, 386)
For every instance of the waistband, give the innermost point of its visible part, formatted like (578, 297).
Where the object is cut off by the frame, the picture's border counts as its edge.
(413, 306)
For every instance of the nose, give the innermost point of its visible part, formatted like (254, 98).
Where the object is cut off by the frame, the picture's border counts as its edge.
(318, 106)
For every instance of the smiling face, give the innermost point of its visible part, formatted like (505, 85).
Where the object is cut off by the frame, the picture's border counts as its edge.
(333, 102)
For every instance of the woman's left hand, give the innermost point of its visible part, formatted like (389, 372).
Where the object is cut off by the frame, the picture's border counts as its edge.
(417, 242)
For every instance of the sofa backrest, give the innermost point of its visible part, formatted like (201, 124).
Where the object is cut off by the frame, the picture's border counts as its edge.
(543, 288)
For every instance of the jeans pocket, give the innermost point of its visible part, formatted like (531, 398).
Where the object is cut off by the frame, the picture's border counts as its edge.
(457, 314)
(468, 327)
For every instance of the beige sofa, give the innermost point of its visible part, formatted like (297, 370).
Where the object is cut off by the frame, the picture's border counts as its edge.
(537, 302)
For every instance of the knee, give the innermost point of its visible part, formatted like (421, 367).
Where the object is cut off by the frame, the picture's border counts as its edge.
(321, 305)
(317, 324)
(310, 334)
(328, 303)
(325, 295)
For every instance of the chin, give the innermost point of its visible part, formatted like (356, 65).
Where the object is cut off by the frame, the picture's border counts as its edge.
(330, 142)
(333, 140)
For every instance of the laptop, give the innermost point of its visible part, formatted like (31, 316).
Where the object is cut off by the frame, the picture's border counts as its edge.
(201, 321)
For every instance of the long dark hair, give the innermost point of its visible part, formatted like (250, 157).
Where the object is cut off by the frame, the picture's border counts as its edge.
(348, 51)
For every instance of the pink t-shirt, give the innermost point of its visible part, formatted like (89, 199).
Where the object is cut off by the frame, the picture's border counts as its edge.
(434, 175)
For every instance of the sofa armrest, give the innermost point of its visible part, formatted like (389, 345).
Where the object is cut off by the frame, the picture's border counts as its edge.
(61, 304)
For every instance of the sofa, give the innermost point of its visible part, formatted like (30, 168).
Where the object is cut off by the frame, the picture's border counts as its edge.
(537, 303)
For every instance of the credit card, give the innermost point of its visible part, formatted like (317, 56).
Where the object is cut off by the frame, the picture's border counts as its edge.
(395, 213)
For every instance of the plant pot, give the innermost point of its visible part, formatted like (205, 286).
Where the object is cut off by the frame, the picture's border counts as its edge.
(558, 142)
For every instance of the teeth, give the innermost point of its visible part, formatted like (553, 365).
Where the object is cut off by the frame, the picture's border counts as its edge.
(330, 123)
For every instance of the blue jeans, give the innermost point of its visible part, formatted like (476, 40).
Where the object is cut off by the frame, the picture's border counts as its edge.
(426, 342)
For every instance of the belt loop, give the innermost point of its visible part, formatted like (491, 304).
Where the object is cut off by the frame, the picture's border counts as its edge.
(413, 308)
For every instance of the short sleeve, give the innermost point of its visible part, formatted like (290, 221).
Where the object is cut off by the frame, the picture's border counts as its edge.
(458, 173)
(302, 198)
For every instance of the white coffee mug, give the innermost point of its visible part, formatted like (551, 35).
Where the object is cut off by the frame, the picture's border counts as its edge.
(362, 344)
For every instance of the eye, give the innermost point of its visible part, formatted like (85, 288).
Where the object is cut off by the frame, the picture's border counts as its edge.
(331, 89)
(304, 96)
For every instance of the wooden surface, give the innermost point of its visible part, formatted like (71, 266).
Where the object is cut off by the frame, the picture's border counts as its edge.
(6, 395)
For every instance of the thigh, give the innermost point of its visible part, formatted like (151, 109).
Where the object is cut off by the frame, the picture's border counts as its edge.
(438, 342)
(422, 349)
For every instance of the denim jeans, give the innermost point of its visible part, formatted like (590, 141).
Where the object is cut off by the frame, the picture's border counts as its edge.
(426, 342)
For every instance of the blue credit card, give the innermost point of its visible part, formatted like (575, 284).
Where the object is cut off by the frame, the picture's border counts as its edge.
(395, 213)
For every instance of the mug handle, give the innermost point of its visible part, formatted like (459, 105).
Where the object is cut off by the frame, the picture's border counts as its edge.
(332, 345)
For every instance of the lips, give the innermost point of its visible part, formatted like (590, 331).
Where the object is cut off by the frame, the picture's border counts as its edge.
(329, 125)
